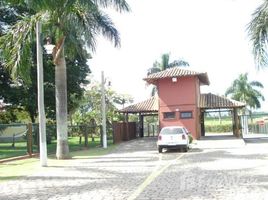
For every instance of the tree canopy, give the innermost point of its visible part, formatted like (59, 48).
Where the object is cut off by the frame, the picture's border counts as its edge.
(246, 91)
(23, 95)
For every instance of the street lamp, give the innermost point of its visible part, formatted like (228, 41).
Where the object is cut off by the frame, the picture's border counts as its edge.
(103, 111)
(40, 88)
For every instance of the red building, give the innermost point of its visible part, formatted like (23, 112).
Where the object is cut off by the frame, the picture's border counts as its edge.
(179, 94)
(179, 101)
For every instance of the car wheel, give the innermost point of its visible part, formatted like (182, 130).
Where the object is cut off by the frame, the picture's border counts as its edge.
(160, 149)
(185, 149)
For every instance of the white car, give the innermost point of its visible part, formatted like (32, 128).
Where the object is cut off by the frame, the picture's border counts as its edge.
(173, 137)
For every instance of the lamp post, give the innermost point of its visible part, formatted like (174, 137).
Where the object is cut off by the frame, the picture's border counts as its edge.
(40, 88)
(103, 111)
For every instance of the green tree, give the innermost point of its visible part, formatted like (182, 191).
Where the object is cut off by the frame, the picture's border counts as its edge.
(71, 24)
(244, 90)
(23, 95)
(163, 65)
(257, 30)
(90, 106)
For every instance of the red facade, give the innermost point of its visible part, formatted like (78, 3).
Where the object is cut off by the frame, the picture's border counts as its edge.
(178, 102)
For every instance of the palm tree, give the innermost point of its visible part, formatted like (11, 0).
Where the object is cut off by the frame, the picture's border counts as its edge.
(163, 65)
(70, 23)
(244, 91)
(257, 30)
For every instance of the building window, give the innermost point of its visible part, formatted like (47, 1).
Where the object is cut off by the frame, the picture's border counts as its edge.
(169, 115)
(186, 115)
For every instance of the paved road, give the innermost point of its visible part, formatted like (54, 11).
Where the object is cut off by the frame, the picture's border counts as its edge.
(213, 169)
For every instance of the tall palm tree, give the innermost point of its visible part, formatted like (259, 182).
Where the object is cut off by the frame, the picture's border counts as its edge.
(70, 23)
(257, 30)
(244, 91)
(163, 65)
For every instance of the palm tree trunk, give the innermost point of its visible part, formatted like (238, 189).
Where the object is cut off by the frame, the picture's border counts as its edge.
(61, 107)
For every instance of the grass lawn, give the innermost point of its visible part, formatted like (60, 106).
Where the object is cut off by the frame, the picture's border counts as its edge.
(215, 121)
(20, 149)
(26, 167)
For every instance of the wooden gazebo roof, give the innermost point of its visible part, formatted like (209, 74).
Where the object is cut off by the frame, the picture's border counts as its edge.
(207, 101)
(176, 72)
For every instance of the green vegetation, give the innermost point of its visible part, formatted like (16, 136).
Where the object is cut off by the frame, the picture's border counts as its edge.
(257, 31)
(73, 27)
(213, 125)
(20, 149)
(246, 91)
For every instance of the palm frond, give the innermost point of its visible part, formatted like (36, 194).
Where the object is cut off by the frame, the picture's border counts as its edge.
(88, 23)
(230, 90)
(257, 30)
(119, 5)
(257, 84)
(16, 46)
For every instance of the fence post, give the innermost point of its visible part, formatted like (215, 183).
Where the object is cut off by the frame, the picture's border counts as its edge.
(30, 140)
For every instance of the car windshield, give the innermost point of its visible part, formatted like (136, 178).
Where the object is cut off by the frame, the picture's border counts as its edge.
(170, 131)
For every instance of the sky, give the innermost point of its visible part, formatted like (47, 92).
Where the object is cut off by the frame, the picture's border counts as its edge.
(211, 35)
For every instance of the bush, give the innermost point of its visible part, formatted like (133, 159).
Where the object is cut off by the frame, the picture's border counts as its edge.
(190, 138)
(222, 128)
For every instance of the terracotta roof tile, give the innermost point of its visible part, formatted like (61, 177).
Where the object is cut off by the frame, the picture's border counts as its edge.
(149, 105)
(212, 101)
(176, 72)
(207, 101)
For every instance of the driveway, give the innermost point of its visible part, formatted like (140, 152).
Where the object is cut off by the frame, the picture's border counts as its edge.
(225, 168)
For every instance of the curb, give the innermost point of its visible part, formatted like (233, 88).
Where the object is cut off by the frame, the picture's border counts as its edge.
(19, 158)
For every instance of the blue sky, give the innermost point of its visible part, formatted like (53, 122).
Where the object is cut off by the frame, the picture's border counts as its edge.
(211, 35)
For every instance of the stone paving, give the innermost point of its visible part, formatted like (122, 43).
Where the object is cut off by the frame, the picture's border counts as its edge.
(213, 169)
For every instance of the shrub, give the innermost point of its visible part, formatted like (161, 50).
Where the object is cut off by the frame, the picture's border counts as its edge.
(222, 128)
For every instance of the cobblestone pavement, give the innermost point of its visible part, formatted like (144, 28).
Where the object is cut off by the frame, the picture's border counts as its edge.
(213, 169)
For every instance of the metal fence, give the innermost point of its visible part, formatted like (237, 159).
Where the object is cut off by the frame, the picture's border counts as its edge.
(151, 130)
(254, 125)
(23, 139)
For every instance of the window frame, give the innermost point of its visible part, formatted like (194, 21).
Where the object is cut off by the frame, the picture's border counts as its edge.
(186, 112)
(169, 118)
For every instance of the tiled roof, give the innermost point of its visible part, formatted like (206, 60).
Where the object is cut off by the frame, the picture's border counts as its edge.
(207, 101)
(149, 105)
(212, 101)
(177, 72)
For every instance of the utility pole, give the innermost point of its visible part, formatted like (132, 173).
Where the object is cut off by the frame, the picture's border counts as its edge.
(103, 110)
(40, 88)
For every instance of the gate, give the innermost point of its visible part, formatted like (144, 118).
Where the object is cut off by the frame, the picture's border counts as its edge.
(254, 125)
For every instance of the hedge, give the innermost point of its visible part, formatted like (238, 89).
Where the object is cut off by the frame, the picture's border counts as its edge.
(219, 128)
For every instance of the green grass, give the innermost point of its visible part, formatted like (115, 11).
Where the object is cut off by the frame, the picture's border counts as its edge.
(215, 121)
(26, 167)
(20, 149)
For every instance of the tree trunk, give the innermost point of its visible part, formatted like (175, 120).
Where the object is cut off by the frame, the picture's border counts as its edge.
(61, 107)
